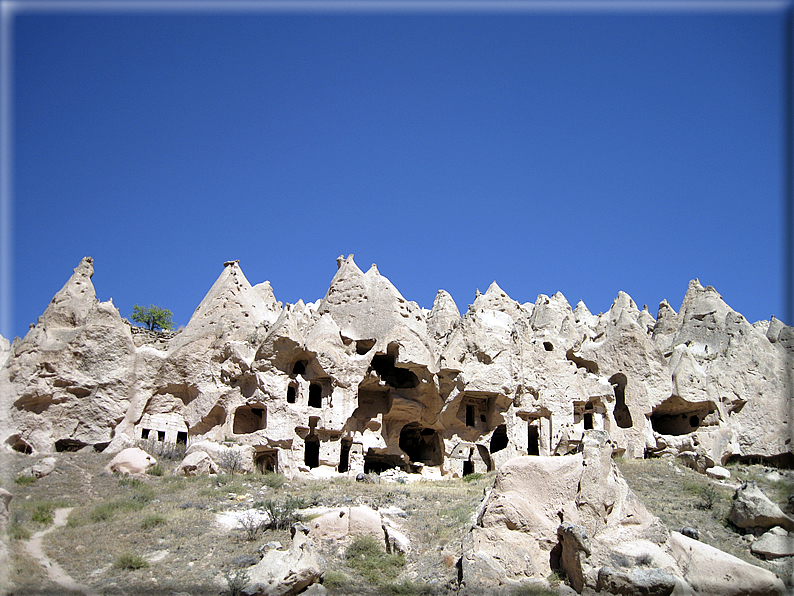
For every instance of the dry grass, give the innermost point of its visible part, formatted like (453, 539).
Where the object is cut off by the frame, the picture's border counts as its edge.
(169, 522)
(681, 497)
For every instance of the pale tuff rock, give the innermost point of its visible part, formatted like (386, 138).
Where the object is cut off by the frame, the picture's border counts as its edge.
(729, 380)
(282, 572)
(443, 318)
(70, 378)
(197, 463)
(576, 514)
(751, 508)
(131, 461)
(711, 572)
(365, 380)
(774, 544)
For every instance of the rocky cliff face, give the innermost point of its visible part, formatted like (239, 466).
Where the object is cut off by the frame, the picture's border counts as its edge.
(367, 380)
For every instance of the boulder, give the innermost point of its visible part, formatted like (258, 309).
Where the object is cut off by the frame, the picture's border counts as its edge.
(774, 544)
(575, 513)
(751, 508)
(41, 468)
(240, 457)
(712, 572)
(346, 522)
(575, 548)
(718, 472)
(283, 572)
(197, 463)
(132, 460)
(645, 582)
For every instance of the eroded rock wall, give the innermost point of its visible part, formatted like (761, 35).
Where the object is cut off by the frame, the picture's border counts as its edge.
(365, 380)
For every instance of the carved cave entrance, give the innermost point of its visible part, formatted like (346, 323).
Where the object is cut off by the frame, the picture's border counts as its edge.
(384, 365)
(315, 395)
(376, 463)
(421, 444)
(344, 456)
(267, 460)
(311, 451)
(249, 419)
(621, 413)
(533, 440)
(676, 416)
(499, 438)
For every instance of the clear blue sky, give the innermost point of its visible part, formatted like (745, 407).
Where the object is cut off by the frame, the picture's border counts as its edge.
(581, 151)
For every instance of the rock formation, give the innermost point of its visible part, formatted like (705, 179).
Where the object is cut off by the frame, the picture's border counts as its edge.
(365, 380)
(575, 514)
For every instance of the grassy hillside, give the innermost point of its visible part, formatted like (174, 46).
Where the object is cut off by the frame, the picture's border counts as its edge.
(159, 535)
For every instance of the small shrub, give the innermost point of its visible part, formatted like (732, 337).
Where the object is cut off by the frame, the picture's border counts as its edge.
(152, 521)
(335, 580)
(251, 524)
(232, 461)
(163, 450)
(42, 513)
(130, 562)
(156, 470)
(18, 532)
(103, 511)
(129, 481)
(236, 581)
(709, 497)
(25, 480)
(556, 578)
(531, 590)
(366, 555)
(273, 480)
(282, 514)
(474, 476)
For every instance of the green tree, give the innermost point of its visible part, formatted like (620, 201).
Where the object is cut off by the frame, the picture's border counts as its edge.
(154, 318)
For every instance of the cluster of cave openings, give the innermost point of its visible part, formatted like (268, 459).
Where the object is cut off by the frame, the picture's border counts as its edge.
(153, 435)
(421, 444)
(621, 413)
(499, 438)
(311, 451)
(249, 419)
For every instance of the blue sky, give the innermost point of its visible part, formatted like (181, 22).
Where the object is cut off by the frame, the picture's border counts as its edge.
(579, 150)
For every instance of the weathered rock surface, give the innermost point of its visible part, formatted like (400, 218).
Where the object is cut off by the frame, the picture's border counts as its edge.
(131, 461)
(41, 468)
(283, 572)
(366, 381)
(711, 572)
(197, 463)
(773, 544)
(576, 514)
(751, 508)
